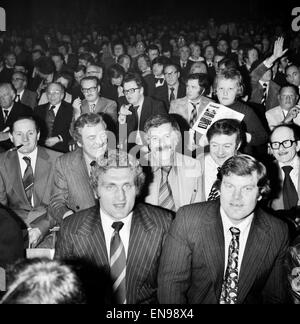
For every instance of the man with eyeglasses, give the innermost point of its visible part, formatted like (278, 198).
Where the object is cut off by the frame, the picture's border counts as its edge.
(25, 96)
(288, 110)
(132, 117)
(284, 146)
(55, 119)
(93, 102)
(172, 89)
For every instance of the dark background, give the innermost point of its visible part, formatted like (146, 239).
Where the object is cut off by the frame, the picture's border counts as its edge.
(104, 12)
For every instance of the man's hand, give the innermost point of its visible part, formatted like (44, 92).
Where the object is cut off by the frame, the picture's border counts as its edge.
(124, 111)
(293, 113)
(34, 236)
(51, 141)
(278, 50)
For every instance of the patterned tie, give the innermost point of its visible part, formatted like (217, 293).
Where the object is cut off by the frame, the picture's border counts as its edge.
(28, 179)
(118, 264)
(230, 282)
(214, 191)
(264, 98)
(6, 112)
(165, 198)
(289, 192)
(93, 108)
(193, 114)
(172, 94)
(50, 120)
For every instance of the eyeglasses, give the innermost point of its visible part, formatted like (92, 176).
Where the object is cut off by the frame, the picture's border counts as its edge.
(89, 90)
(285, 144)
(51, 93)
(130, 91)
(17, 79)
(170, 74)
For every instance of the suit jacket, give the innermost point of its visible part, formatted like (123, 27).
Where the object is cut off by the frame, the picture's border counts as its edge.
(150, 108)
(12, 193)
(180, 107)
(82, 236)
(104, 105)
(71, 189)
(185, 180)
(193, 260)
(257, 89)
(11, 239)
(184, 72)
(162, 94)
(29, 99)
(275, 117)
(62, 124)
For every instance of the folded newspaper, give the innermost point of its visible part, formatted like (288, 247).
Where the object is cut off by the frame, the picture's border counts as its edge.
(213, 112)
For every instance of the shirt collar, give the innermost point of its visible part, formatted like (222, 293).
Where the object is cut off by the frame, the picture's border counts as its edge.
(32, 155)
(227, 223)
(263, 82)
(108, 220)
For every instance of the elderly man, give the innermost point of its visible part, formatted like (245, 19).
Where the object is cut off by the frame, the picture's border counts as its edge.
(177, 178)
(123, 238)
(287, 111)
(227, 251)
(93, 102)
(26, 178)
(23, 95)
(72, 191)
(55, 118)
(10, 111)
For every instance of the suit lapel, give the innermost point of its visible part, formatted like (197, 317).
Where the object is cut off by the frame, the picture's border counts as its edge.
(213, 247)
(257, 246)
(42, 173)
(140, 239)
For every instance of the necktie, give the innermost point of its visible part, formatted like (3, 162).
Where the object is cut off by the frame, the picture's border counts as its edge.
(135, 116)
(172, 94)
(50, 120)
(230, 282)
(193, 114)
(289, 192)
(28, 179)
(183, 65)
(17, 98)
(165, 198)
(118, 264)
(6, 112)
(264, 98)
(92, 164)
(93, 108)
(214, 192)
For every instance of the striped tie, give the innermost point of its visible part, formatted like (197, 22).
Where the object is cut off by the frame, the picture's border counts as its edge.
(264, 98)
(93, 108)
(28, 179)
(165, 198)
(193, 114)
(214, 191)
(50, 120)
(118, 264)
(172, 94)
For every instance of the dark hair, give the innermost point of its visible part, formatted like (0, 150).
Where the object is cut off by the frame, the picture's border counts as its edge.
(117, 159)
(90, 78)
(24, 75)
(58, 54)
(80, 68)
(129, 77)
(229, 63)
(83, 120)
(296, 89)
(202, 79)
(33, 119)
(42, 281)
(293, 127)
(152, 47)
(145, 57)
(245, 165)
(174, 65)
(161, 60)
(158, 120)
(226, 127)
(122, 57)
(115, 71)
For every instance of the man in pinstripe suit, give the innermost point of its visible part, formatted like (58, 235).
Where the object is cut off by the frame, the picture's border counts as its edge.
(232, 234)
(91, 234)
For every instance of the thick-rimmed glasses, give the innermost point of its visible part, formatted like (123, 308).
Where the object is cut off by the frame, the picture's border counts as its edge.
(130, 91)
(285, 144)
(89, 90)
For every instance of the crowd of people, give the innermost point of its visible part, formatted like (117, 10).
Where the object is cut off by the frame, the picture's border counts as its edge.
(99, 144)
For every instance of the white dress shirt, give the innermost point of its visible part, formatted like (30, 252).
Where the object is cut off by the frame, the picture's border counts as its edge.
(55, 110)
(23, 164)
(107, 222)
(210, 173)
(244, 227)
(8, 109)
(294, 173)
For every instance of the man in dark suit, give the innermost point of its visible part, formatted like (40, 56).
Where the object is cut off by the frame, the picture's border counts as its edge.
(183, 61)
(132, 117)
(26, 178)
(72, 191)
(70, 59)
(123, 238)
(9, 112)
(23, 95)
(11, 240)
(227, 251)
(172, 89)
(55, 118)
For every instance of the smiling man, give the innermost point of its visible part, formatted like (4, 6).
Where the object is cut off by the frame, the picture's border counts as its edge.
(227, 252)
(121, 236)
